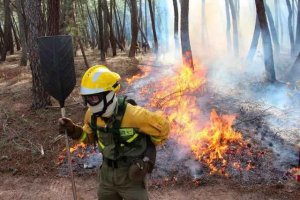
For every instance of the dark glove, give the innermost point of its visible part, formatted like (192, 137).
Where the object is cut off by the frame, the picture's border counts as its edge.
(138, 170)
(66, 125)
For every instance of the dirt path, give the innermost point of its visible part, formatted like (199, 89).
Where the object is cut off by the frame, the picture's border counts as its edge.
(21, 187)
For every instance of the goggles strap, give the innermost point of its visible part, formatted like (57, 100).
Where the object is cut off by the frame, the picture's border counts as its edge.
(105, 105)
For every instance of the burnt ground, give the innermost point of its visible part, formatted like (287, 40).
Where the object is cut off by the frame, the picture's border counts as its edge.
(30, 147)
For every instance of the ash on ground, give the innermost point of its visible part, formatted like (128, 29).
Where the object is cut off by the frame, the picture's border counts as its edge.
(84, 161)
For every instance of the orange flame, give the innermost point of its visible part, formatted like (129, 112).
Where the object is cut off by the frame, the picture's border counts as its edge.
(62, 156)
(145, 71)
(176, 95)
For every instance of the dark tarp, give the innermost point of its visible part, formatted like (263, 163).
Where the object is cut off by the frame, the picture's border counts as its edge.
(57, 66)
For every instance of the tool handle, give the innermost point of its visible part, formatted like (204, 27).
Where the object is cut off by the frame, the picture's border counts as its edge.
(63, 114)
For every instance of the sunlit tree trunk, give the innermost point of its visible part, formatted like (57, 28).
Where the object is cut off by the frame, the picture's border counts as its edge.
(267, 43)
(176, 37)
(184, 34)
(15, 32)
(40, 98)
(134, 28)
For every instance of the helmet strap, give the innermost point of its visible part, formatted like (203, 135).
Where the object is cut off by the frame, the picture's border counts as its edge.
(106, 104)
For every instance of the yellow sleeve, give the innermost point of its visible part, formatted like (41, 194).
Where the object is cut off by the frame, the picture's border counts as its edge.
(87, 136)
(150, 123)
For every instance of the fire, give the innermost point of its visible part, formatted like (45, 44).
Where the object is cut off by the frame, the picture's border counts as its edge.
(145, 72)
(80, 154)
(211, 142)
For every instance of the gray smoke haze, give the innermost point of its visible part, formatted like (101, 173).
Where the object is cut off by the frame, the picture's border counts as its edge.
(233, 77)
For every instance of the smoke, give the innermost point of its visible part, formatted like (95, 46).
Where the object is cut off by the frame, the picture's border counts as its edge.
(234, 77)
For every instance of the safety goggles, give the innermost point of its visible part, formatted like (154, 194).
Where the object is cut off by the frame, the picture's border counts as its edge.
(94, 99)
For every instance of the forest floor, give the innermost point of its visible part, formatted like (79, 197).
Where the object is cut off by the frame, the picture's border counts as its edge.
(30, 145)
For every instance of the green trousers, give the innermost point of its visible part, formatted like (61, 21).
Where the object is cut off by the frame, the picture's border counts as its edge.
(114, 184)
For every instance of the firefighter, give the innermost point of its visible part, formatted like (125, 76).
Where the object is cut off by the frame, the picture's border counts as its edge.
(124, 133)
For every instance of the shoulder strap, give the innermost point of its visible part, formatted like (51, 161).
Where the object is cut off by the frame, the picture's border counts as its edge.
(122, 104)
(94, 128)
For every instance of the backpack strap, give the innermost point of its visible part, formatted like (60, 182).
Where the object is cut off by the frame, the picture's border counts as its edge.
(122, 104)
(94, 129)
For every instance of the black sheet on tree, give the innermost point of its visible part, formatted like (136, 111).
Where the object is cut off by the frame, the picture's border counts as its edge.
(57, 66)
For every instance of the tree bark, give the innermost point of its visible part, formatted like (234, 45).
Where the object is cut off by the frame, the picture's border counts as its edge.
(53, 17)
(153, 26)
(291, 32)
(108, 16)
(176, 37)
(101, 32)
(21, 19)
(105, 26)
(15, 33)
(185, 38)
(8, 40)
(267, 43)
(40, 97)
(134, 28)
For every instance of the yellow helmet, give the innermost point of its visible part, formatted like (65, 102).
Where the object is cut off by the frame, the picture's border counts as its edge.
(99, 79)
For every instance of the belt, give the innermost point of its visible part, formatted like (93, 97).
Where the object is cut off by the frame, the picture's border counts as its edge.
(121, 162)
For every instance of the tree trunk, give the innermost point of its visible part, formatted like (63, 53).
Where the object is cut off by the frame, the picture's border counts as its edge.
(254, 42)
(15, 32)
(8, 41)
(101, 32)
(21, 19)
(267, 43)
(40, 97)
(297, 44)
(272, 29)
(83, 53)
(134, 28)
(291, 32)
(108, 16)
(228, 26)
(117, 19)
(276, 4)
(105, 26)
(141, 24)
(123, 25)
(176, 37)
(235, 28)
(53, 17)
(185, 38)
(153, 26)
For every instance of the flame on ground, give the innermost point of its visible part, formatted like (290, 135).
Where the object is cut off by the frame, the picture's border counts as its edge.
(211, 142)
(80, 154)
